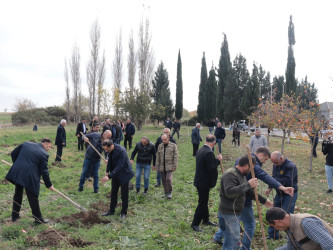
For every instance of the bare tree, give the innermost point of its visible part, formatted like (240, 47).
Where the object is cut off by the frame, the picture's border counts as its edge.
(67, 91)
(100, 82)
(145, 55)
(76, 79)
(92, 67)
(117, 70)
(131, 62)
(24, 104)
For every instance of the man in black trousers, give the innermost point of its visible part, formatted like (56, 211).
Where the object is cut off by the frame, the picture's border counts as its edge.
(205, 178)
(60, 140)
(81, 127)
(29, 163)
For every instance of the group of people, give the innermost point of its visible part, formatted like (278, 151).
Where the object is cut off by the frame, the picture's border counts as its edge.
(236, 185)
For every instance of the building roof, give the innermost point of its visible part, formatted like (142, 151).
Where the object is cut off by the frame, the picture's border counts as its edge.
(326, 106)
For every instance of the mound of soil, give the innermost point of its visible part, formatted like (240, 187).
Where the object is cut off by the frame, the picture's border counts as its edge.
(5, 146)
(5, 182)
(86, 218)
(15, 144)
(100, 206)
(59, 164)
(51, 238)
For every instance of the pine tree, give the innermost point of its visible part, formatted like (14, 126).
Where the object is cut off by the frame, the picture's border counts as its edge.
(224, 74)
(291, 83)
(202, 90)
(210, 96)
(307, 93)
(278, 83)
(255, 87)
(179, 89)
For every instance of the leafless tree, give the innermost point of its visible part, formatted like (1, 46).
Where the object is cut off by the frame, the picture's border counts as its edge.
(131, 62)
(24, 104)
(146, 58)
(76, 79)
(100, 82)
(67, 91)
(117, 65)
(92, 68)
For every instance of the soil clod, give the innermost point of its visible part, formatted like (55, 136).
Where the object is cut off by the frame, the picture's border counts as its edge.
(86, 218)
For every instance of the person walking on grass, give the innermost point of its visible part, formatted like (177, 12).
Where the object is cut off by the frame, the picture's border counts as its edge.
(166, 163)
(119, 169)
(205, 178)
(220, 135)
(176, 128)
(196, 138)
(81, 127)
(29, 164)
(257, 140)
(60, 140)
(146, 153)
(129, 134)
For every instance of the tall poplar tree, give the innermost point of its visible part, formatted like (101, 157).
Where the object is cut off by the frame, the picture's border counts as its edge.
(291, 83)
(202, 89)
(179, 90)
(210, 96)
(224, 74)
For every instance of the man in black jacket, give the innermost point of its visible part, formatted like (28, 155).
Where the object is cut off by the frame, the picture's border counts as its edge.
(129, 133)
(146, 153)
(29, 163)
(92, 158)
(176, 128)
(157, 143)
(205, 178)
(327, 149)
(220, 135)
(81, 127)
(60, 140)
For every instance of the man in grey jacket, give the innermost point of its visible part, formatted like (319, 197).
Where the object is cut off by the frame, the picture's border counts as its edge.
(257, 141)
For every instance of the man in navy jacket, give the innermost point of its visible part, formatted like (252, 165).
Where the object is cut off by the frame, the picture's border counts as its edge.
(129, 133)
(119, 169)
(196, 138)
(29, 163)
(60, 140)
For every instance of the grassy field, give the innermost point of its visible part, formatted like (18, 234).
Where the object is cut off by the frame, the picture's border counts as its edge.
(152, 222)
(5, 117)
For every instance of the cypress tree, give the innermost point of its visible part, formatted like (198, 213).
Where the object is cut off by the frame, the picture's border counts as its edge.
(224, 74)
(202, 90)
(210, 96)
(179, 89)
(255, 87)
(291, 83)
(278, 83)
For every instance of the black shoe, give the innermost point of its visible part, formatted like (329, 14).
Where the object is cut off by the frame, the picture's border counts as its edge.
(209, 223)
(108, 213)
(122, 216)
(157, 185)
(217, 242)
(89, 179)
(145, 191)
(15, 218)
(329, 191)
(137, 190)
(96, 191)
(80, 189)
(196, 228)
(41, 221)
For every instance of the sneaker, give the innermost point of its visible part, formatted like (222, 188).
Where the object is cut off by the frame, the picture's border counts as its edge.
(329, 191)
(217, 242)
(96, 191)
(169, 196)
(80, 189)
(122, 216)
(89, 179)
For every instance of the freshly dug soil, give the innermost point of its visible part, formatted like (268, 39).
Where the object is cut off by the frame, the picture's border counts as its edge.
(5, 145)
(5, 182)
(86, 218)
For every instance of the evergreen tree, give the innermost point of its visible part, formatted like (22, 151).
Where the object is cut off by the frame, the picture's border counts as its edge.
(307, 93)
(255, 87)
(291, 83)
(264, 83)
(210, 96)
(202, 90)
(224, 74)
(179, 89)
(278, 83)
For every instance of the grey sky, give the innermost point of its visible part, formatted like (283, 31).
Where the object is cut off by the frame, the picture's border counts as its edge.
(36, 36)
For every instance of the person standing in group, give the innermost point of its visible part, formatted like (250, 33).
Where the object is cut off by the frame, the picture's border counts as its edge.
(92, 158)
(157, 143)
(205, 178)
(81, 127)
(236, 135)
(234, 190)
(29, 164)
(211, 124)
(314, 142)
(94, 120)
(285, 172)
(196, 138)
(107, 125)
(166, 163)
(118, 169)
(176, 128)
(327, 149)
(129, 133)
(146, 153)
(168, 123)
(60, 140)
(257, 140)
(220, 135)
(117, 135)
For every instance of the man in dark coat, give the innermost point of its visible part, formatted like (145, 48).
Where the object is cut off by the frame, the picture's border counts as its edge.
(117, 135)
(129, 133)
(220, 135)
(119, 169)
(168, 123)
(196, 138)
(205, 178)
(29, 163)
(81, 127)
(157, 143)
(60, 140)
(176, 128)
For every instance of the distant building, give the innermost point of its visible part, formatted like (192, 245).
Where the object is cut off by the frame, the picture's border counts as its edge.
(326, 110)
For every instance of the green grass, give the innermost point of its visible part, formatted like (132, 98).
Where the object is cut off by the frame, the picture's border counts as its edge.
(5, 117)
(152, 222)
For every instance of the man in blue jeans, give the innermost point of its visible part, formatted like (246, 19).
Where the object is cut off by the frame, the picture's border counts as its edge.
(220, 135)
(146, 152)
(92, 158)
(247, 216)
(234, 189)
(285, 172)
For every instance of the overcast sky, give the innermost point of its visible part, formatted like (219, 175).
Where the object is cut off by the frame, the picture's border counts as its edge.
(36, 36)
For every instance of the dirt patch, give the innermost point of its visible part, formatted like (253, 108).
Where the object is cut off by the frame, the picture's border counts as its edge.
(5, 146)
(59, 164)
(51, 238)
(9, 154)
(5, 182)
(86, 218)
(100, 206)
(15, 144)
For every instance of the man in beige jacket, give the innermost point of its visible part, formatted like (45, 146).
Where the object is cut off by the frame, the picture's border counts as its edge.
(166, 163)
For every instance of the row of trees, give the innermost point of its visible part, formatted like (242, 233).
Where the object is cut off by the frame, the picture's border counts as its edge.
(236, 93)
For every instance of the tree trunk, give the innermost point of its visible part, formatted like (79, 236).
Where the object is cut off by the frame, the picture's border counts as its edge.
(284, 135)
(311, 155)
(268, 136)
